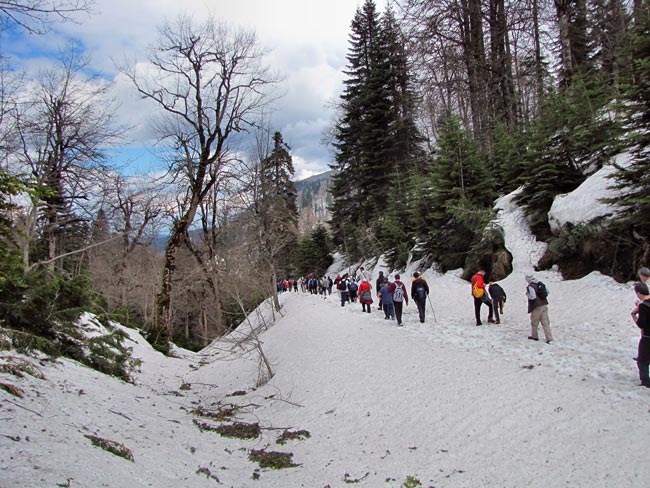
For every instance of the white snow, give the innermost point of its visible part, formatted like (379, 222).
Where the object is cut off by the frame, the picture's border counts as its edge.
(581, 206)
(449, 403)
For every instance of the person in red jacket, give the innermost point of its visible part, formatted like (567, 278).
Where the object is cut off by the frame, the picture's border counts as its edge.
(480, 297)
(365, 295)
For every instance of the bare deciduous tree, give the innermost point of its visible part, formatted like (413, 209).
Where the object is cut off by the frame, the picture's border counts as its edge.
(67, 122)
(210, 83)
(36, 16)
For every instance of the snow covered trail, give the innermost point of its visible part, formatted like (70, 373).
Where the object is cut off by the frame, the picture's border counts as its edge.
(383, 403)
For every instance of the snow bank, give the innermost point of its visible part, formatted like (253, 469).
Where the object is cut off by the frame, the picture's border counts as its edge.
(583, 205)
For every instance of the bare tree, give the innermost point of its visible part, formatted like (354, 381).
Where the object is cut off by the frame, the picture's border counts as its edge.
(67, 122)
(210, 83)
(36, 16)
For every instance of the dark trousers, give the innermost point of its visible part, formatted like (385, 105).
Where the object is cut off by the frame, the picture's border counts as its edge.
(643, 360)
(498, 306)
(421, 308)
(477, 308)
(345, 297)
(389, 310)
(398, 311)
(366, 307)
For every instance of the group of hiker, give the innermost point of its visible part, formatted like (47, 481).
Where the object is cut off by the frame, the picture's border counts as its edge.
(494, 297)
(391, 295)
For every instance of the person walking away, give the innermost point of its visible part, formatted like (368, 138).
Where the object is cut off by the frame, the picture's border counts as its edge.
(378, 284)
(362, 275)
(386, 295)
(419, 293)
(641, 317)
(365, 295)
(498, 297)
(353, 288)
(342, 287)
(399, 298)
(480, 297)
(537, 295)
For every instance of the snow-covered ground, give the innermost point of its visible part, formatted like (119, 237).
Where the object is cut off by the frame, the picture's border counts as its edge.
(444, 402)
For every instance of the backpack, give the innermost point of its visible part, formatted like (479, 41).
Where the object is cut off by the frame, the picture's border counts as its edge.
(353, 286)
(542, 291)
(421, 293)
(398, 294)
(477, 292)
(342, 285)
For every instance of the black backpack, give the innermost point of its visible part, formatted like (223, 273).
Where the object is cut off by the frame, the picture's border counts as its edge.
(342, 285)
(542, 291)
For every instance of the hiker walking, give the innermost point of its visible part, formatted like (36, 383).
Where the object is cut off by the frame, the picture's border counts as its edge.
(362, 275)
(386, 295)
(342, 287)
(353, 288)
(537, 295)
(378, 283)
(481, 297)
(641, 317)
(365, 295)
(419, 293)
(399, 297)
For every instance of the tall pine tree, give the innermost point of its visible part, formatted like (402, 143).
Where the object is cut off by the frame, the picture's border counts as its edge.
(277, 209)
(634, 179)
(377, 140)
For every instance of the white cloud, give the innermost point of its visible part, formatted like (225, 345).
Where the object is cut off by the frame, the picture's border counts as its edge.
(308, 41)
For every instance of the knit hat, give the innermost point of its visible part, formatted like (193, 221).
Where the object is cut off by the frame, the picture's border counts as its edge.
(641, 289)
(397, 276)
(529, 278)
(416, 274)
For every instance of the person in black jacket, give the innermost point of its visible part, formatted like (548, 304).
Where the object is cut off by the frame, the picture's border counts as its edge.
(419, 293)
(498, 295)
(378, 284)
(641, 317)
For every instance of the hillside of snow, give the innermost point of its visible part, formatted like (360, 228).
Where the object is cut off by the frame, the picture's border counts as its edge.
(356, 400)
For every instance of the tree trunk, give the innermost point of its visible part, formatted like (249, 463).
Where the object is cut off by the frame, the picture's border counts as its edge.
(474, 55)
(562, 8)
(539, 66)
(163, 300)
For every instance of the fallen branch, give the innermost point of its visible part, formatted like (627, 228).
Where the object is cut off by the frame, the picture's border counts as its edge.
(120, 414)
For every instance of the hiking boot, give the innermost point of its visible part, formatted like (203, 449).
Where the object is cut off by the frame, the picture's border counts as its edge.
(548, 341)
(533, 338)
(490, 320)
(497, 322)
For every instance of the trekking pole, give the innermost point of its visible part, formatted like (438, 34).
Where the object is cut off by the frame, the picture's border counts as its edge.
(432, 310)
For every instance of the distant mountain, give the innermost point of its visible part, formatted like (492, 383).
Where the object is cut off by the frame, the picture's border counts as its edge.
(314, 200)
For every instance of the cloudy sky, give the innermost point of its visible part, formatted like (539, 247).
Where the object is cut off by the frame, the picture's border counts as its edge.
(307, 40)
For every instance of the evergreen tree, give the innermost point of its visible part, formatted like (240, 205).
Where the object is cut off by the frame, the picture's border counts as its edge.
(634, 180)
(353, 202)
(314, 253)
(12, 283)
(277, 208)
(461, 191)
(377, 140)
